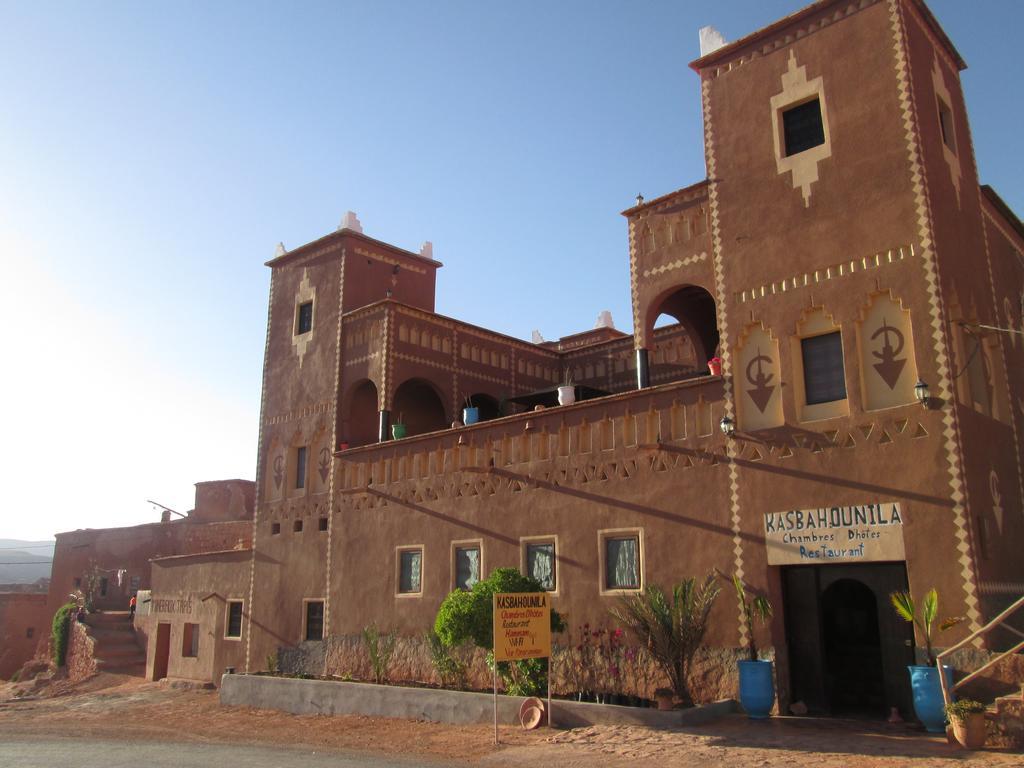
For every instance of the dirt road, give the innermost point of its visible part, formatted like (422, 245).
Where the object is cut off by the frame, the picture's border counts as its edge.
(120, 709)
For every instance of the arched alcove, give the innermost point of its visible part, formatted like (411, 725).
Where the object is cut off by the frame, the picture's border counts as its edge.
(418, 405)
(361, 415)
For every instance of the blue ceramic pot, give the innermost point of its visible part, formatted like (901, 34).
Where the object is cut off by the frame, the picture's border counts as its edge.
(757, 689)
(470, 415)
(928, 704)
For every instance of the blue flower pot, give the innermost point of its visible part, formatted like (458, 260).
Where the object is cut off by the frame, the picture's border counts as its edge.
(757, 689)
(470, 415)
(928, 704)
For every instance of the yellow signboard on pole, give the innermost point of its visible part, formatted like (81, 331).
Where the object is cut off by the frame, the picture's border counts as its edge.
(522, 626)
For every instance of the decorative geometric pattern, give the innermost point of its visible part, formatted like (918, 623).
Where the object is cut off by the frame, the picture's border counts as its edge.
(723, 335)
(929, 263)
(842, 269)
(338, 382)
(677, 264)
(391, 260)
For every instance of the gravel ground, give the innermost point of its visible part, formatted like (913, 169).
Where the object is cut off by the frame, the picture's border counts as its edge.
(114, 707)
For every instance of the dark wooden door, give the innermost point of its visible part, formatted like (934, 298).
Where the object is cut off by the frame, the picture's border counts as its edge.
(162, 653)
(822, 682)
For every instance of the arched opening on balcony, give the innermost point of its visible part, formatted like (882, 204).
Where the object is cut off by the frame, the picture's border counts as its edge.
(359, 425)
(418, 405)
(488, 406)
(682, 333)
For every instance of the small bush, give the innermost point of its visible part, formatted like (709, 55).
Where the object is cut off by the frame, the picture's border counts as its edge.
(959, 710)
(60, 630)
(380, 649)
(272, 667)
(451, 670)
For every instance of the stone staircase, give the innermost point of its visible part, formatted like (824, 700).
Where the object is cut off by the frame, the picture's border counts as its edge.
(116, 648)
(1005, 721)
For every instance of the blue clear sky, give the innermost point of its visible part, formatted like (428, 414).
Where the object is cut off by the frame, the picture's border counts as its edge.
(153, 154)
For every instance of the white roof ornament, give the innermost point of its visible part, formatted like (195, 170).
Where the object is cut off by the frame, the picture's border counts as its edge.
(351, 221)
(280, 250)
(710, 40)
(604, 320)
(427, 250)
(537, 338)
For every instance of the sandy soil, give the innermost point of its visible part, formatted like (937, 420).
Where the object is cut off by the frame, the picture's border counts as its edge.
(111, 706)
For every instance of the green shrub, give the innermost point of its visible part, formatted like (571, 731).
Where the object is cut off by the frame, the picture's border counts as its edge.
(469, 616)
(451, 670)
(380, 649)
(60, 631)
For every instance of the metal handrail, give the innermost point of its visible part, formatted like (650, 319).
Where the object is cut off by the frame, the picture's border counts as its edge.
(947, 692)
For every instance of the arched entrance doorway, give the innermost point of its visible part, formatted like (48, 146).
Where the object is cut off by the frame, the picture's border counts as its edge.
(853, 649)
(681, 332)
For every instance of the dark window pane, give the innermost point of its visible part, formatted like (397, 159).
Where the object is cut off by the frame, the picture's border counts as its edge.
(622, 563)
(802, 127)
(467, 567)
(946, 125)
(103, 586)
(305, 324)
(300, 467)
(409, 571)
(540, 564)
(234, 619)
(824, 377)
(323, 524)
(315, 620)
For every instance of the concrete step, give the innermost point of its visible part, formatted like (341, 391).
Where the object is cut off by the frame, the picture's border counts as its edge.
(119, 652)
(136, 668)
(108, 619)
(1005, 721)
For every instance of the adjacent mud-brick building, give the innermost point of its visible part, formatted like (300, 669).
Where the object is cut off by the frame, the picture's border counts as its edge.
(864, 294)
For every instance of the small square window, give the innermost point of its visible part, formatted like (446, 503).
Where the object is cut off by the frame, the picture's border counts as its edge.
(467, 567)
(103, 586)
(304, 318)
(946, 125)
(410, 565)
(78, 581)
(190, 640)
(824, 375)
(540, 564)
(234, 624)
(30, 632)
(134, 583)
(622, 562)
(802, 127)
(322, 524)
(297, 526)
(300, 467)
(314, 619)
(275, 528)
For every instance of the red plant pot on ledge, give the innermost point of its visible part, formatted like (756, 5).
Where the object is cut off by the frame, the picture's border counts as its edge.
(715, 366)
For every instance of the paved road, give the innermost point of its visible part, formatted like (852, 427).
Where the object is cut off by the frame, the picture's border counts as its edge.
(25, 752)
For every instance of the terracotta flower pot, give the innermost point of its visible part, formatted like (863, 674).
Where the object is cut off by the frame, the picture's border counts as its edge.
(970, 731)
(715, 366)
(665, 701)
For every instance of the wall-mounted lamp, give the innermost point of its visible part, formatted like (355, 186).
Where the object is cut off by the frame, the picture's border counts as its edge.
(922, 393)
(728, 426)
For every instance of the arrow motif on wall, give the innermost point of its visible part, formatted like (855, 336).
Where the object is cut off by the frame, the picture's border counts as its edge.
(761, 391)
(889, 366)
(325, 463)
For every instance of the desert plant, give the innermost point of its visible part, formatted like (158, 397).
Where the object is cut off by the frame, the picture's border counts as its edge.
(59, 631)
(468, 616)
(272, 663)
(752, 607)
(671, 631)
(380, 648)
(925, 622)
(959, 710)
(450, 670)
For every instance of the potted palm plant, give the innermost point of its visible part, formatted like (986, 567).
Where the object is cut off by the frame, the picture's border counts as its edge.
(757, 689)
(398, 429)
(924, 680)
(968, 719)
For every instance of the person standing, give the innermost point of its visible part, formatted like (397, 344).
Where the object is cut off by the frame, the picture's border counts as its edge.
(131, 609)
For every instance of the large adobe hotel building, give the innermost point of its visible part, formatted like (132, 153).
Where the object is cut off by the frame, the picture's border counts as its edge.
(839, 252)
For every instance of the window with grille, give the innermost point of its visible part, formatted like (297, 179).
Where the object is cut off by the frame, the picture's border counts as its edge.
(234, 628)
(467, 567)
(824, 375)
(622, 562)
(410, 567)
(540, 564)
(315, 620)
(304, 320)
(802, 127)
